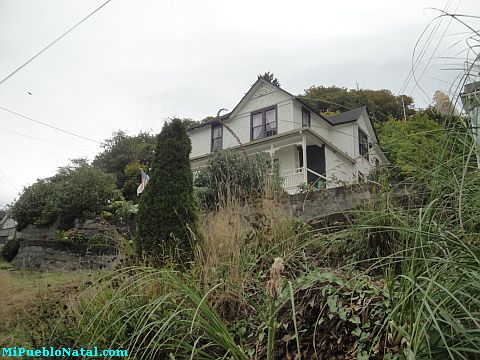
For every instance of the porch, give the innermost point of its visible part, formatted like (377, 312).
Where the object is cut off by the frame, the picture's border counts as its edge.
(302, 162)
(304, 159)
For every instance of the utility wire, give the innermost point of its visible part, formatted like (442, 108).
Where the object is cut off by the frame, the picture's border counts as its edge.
(50, 126)
(47, 141)
(53, 43)
(9, 181)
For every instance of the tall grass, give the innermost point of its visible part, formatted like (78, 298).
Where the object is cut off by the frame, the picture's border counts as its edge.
(199, 314)
(430, 254)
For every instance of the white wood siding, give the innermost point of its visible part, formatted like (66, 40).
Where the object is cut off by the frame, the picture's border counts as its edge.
(264, 96)
(240, 125)
(200, 139)
(287, 157)
(339, 171)
(342, 136)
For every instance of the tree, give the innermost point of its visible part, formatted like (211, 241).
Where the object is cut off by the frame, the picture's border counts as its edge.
(270, 77)
(76, 191)
(82, 191)
(29, 208)
(381, 104)
(188, 123)
(167, 214)
(122, 149)
(412, 146)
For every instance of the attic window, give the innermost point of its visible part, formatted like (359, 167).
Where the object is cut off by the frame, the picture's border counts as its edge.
(263, 123)
(362, 144)
(217, 137)
(305, 117)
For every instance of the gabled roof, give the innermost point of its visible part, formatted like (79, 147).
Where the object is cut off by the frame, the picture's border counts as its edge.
(210, 122)
(347, 116)
(226, 116)
(341, 118)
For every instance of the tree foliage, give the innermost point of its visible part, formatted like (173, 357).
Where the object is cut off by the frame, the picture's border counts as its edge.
(121, 150)
(167, 214)
(381, 104)
(76, 191)
(270, 77)
(412, 146)
(133, 178)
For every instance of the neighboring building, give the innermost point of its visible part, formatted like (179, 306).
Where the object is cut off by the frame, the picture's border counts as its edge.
(471, 104)
(310, 148)
(7, 228)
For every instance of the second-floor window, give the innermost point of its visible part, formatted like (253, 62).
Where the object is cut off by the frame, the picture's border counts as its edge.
(362, 143)
(217, 137)
(264, 123)
(305, 117)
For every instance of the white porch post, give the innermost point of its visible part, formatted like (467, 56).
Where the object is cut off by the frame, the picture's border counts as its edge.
(304, 154)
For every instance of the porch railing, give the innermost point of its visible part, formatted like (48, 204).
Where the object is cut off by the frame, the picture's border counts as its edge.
(293, 177)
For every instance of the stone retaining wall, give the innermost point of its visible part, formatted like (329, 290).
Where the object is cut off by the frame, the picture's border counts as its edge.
(58, 255)
(308, 206)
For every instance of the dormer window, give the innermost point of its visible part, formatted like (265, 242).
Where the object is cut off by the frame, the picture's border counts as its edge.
(264, 123)
(305, 117)
(217, 137)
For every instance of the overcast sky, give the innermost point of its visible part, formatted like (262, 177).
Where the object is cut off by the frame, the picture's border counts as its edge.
(135, 64)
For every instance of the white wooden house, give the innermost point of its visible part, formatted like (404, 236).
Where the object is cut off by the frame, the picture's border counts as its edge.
(310, 148)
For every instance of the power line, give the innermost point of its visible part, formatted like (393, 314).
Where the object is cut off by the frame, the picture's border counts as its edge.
(48, 125)
(47, 141)
(416, 62)
(53, 43)
(8, 180)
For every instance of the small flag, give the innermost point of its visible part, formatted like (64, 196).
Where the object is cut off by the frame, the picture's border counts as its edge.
(144, 183)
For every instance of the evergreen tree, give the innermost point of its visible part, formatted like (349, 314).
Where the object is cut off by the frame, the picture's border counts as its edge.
(167, 214)
(270, 77)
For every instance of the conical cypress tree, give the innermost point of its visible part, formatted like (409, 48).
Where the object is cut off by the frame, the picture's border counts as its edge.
(167, 213)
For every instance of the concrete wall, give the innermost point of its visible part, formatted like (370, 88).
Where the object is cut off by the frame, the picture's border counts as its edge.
(58, 255)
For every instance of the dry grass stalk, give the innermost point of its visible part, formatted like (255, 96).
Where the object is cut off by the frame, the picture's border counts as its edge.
(224, 235)
(274, 287)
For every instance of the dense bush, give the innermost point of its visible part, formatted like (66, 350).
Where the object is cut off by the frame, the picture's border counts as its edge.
(412, 146)
(230, 173)
(9, 250)
(167, 213)
(75, 191)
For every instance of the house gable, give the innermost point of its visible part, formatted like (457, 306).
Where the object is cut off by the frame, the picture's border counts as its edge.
(262, 94)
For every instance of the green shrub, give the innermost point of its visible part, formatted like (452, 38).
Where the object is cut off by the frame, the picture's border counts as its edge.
(230, 173)
(9, 250)
(167, 213)
(77, 236)
(74, 192)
